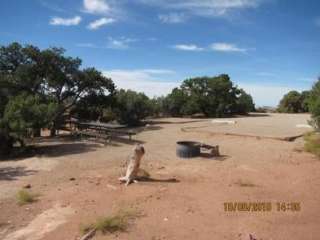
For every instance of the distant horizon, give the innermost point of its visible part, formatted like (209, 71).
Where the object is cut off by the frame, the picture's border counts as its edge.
(267, 47)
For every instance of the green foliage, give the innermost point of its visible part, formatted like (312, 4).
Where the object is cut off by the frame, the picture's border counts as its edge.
(294, 102)
(132, 107)
(305, 98)
(211, 96)
(118, 222)
(158, 106)
(312, 143)
(94, 107)
(51, 75)
(25, 113)
(245, 103)
(24, 197)
(6, 141)
(314, 105)
(175, 102)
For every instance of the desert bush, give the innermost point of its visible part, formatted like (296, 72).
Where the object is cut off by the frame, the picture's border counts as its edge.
(25, 197)
(244, 103)
(94, 107)
(118, 222)
(132, 107)
(314, 105)
(210, 96)
(26, 113)
(174, 102)
(312, 143)
(294, 102)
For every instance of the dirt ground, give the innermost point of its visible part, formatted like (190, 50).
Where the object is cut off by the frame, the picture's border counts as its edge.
(77, 183)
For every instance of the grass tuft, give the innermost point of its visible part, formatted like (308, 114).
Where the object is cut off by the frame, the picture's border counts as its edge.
(25, 197)
(118, 222)
(312, 143)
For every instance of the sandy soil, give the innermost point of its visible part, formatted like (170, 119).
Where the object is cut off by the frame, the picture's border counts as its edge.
(251, 169)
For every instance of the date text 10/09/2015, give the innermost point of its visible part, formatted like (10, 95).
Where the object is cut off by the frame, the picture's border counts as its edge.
(262, 206)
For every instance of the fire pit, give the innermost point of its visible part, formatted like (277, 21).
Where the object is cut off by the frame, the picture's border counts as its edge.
(188, 149)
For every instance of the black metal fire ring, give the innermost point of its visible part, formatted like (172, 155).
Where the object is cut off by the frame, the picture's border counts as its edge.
(188, 149)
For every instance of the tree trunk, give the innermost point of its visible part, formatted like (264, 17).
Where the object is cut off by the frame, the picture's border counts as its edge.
(36, 132)
(53, 132)
(6, 145)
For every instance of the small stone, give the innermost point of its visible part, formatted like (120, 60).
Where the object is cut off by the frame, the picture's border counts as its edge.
(165, 219)
(27, 186)
(72, 179)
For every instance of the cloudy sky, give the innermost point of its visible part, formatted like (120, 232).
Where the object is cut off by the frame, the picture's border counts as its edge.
(268, 47)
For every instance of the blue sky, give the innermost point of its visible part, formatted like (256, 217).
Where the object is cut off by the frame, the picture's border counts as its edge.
(268, 47)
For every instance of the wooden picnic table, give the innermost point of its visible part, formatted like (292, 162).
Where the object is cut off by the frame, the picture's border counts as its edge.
(103, 129)
(101, 125)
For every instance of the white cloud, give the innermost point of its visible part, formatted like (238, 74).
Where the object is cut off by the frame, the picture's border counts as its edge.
(153, 82)
(172, 18)
(119, 43)
(188, 47)
(65, 21)
(219, 47)
(96, 6)
(100, 22)
(204, 7)
(226, 47)
(86, 45)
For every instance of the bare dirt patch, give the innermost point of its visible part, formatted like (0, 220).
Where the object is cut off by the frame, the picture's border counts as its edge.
(192, 207)
(44, 223)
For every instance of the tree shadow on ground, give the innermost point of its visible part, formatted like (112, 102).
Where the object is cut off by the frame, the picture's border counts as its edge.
(153, 122)
(48, 139)
(251, 115)
(147, 128)
(114, 141)
(65, 149)
(126, 141)
(13, 173)
(52, 150)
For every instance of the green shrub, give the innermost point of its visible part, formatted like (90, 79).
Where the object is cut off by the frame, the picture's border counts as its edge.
(132, 107)
(210, 96)
(312, 143)
(314, 105)
(294, 102)
(25, 197)
(118, 222)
